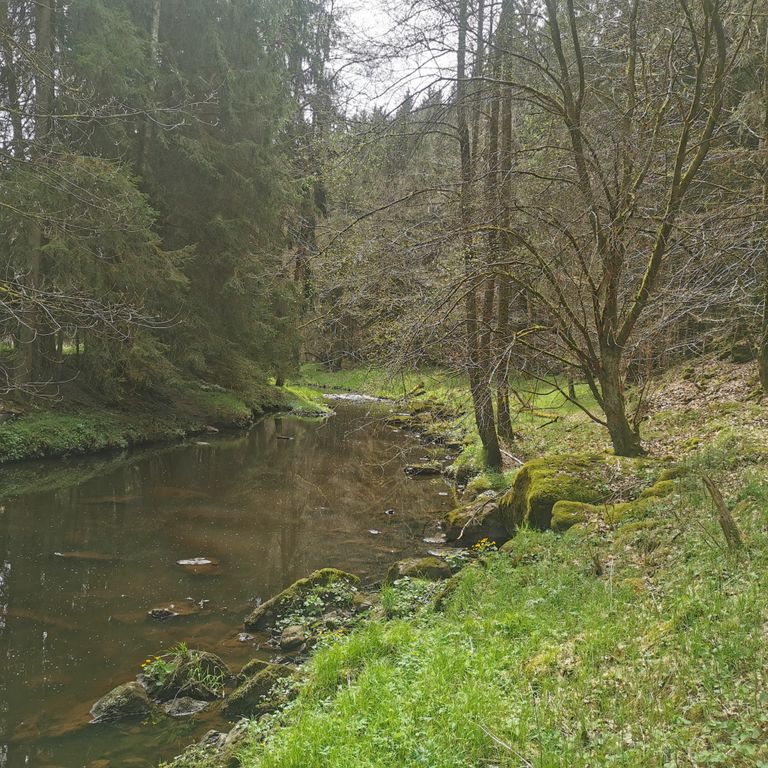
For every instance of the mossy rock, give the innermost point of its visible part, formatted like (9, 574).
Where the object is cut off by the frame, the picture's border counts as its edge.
(287, 600)
(196, 674)
(469, 524)
(127, 700)
(251, 668)
(566, 514)
(255, 696)
(659, 489)
(541, 483)
(430, 568)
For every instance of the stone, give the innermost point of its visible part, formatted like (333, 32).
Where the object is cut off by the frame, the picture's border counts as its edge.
(254, 666)
(541, 483)
(253, 697)
(430, 568)
(197, 674)
(423, 470)
(293, 637)
(127, 700)
(566, 514)
(269, 611)
(469, 524)
(161, 614)
(183, 706)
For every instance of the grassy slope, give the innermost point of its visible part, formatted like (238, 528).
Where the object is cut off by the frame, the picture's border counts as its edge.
(78, 425)
(642, 644)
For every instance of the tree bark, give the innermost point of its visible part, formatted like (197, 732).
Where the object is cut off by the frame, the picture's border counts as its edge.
(624, 437)
(478, 383)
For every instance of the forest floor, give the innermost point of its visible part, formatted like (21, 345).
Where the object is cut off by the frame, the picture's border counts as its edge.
(641, 641)
(72, 421)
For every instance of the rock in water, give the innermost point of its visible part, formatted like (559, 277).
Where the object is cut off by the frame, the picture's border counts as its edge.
(184, 706)
(127, 700)
(196, 674)
(161, 614)
(268, 612)
(423, 470)
(431, 568)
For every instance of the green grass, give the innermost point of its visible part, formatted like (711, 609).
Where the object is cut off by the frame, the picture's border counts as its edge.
(58, 433)
(538, 661)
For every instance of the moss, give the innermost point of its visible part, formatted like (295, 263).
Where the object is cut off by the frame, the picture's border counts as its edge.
(566, 514)
(267, 613)
(672, 473)
(541, 483)
(255, 696)
(629, 533)
(469, 524)
(659, 489)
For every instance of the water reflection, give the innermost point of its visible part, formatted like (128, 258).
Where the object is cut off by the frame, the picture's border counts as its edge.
(82, 564)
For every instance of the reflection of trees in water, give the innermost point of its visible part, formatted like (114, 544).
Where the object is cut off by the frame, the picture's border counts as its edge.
(270, 509)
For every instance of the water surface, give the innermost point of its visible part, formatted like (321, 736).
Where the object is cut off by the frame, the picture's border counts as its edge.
(80, 566)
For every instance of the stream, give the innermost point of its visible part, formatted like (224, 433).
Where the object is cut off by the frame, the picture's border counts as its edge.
(86, 555)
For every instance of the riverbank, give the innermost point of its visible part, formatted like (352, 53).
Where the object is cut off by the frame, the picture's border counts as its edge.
(78, 424)
(635, 637)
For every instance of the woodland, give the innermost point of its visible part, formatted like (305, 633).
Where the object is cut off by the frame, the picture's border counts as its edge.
(222, 191)
(532, 234)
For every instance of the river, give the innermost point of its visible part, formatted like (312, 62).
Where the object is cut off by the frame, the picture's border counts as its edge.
(94, 547)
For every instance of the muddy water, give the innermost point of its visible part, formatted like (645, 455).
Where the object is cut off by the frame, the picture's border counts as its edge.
(81, 565)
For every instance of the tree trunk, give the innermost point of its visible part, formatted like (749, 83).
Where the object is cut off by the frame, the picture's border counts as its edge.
(478, 383)
(146, 130)
(625, 437)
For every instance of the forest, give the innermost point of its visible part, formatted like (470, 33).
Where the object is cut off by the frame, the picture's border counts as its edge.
(532, 234)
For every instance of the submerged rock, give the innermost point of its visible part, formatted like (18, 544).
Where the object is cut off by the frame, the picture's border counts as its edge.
(127, 700)
(431, 568)
(184, 706)
(423, 470)
(268, 612)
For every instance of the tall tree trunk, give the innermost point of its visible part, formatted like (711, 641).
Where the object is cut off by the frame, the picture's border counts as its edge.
(10, 77)
(503, 327)
(762, 349)
(624, 437)
(37, 343)
(146, 129)
(478, 382)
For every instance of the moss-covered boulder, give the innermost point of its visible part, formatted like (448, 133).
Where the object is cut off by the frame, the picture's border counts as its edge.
(541, 483)
(659, 489)
(469, 524)
(251, 668)
(257, 695)
(430, 568)
(566, 514)
(291, 598)
(127, 700)
(197, 674)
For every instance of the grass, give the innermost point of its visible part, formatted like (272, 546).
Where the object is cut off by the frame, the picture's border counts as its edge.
(54, 429)
(538, 660)
(632, 644)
